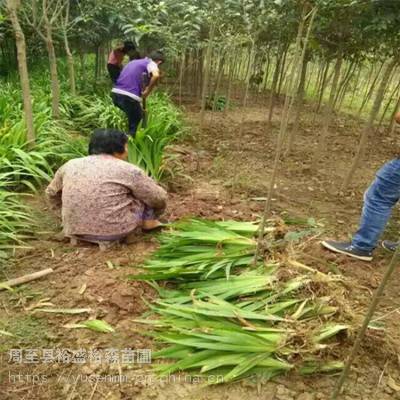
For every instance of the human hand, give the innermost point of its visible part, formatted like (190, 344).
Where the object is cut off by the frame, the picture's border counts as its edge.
(145, 94)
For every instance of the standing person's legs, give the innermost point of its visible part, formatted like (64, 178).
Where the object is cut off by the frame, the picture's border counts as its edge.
(379, 200)
(132, 109)
(135, 115)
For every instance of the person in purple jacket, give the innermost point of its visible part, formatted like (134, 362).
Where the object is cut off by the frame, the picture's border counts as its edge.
(134, 85)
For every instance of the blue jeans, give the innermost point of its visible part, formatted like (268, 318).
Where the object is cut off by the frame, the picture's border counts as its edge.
(379, 200)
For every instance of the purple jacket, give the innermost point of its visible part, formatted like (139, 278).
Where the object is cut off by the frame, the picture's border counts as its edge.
(129, 82)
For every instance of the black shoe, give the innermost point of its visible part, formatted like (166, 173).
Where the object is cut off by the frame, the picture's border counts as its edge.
(389, 245)
(348, 249)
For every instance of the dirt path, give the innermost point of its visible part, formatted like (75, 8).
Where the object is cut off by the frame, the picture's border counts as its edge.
(230, 174)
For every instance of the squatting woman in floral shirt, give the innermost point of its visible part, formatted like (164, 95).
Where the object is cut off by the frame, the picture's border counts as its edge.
(103, 197)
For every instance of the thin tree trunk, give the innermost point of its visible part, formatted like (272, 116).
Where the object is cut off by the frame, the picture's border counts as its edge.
(385, 110)
(82, 65)
(197, 73)
(292, 84)
(324, 84)
(393, 117)
(248, 76)
(71, 66)
(311, 74)
(370, 91)
(345, 89)
(55, 84)
(328, 113)
(213, 62)
(200, 74)
(181, 69)
(70, 58)
(284, 78)
(232, 68)
(266, 72)
(96, 66)
(321, 86)
(273, 88)
(343, 83)
(357, 81)
(367, 83)
(239, 66)
(318, 80)
(103, 61)
(206, 76)
(12, 7)
(370, 124)
(282, 71)
(244, 104)
(218, 81)
(298, 104)
(187, 63)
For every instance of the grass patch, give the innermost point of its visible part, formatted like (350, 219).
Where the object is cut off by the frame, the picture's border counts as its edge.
(28, 331)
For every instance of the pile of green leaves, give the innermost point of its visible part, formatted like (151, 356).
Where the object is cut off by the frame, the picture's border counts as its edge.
(201, 249)
(226, 317)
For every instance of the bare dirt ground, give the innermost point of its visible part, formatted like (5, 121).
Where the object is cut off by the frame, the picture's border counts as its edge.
(230, 173)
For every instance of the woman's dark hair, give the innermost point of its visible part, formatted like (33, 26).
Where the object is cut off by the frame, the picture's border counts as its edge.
(129, 46)
(157, 55)
(107, 141)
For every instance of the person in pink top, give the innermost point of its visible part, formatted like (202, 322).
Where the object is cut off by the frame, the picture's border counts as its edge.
(116, 58)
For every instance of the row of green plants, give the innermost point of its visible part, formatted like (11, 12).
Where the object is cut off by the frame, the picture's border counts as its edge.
(25, 167)
(221, 314)
(148, 149)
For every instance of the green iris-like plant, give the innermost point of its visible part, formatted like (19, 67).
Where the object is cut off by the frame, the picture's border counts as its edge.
(226, 317)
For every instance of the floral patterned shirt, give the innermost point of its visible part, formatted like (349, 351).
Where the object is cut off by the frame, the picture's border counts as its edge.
(102, 195)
